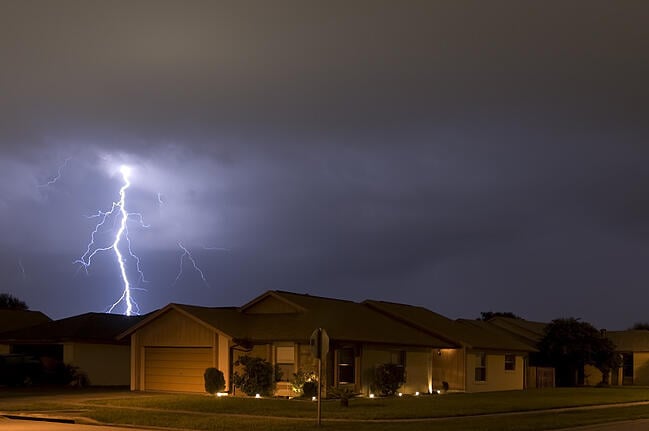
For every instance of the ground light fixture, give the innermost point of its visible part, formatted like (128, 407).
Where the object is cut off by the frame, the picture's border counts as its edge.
(417, 393)
(257, 396)
(371, 395)
(400, 394)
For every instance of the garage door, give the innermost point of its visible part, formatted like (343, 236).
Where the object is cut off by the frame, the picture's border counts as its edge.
(176, 368)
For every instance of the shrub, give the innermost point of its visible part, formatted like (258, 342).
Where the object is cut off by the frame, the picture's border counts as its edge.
(300, 379)
(258, 376)
(310, 389)
(343, 393)
(214, 380)
(388, 378)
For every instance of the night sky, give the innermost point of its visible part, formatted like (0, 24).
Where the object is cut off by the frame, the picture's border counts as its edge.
(461, 155)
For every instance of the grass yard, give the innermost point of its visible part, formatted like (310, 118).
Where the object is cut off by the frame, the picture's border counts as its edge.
(443, 412)
(394, 408)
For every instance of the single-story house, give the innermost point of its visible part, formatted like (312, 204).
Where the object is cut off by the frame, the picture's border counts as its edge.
(633, 347)
(87, 341)
(10, 320)
(486, 359)
(171, 348)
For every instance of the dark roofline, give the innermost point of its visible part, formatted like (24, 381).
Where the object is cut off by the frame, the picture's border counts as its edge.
(372, 304)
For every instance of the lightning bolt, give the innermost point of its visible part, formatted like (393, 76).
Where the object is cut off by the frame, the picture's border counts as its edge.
(121, 217)
(58, 174)
(193, 261)
(22, 269)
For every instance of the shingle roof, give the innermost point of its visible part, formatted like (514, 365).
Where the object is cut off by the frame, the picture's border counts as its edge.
(343, 321)
(632, 340)
(528, 331)
(471, 333)
(15, 319)
(89, 327)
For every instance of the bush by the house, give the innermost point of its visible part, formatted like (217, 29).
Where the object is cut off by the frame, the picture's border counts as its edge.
(310, 389)
(342, 393)
(388, 378)
(257, 377)
(214, 380)
(300, 379)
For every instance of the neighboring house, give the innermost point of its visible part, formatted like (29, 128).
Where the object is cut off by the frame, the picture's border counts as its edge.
(172, 347)
(531, 333)
(486, 359)
(11, 320)
(633, 347)
(87, 341)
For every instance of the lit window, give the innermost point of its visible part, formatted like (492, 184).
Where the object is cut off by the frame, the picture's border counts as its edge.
(285, 360)
(480, 367)
(510, 362)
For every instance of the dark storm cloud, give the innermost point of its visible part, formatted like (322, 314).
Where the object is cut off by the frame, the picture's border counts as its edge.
(461, 155)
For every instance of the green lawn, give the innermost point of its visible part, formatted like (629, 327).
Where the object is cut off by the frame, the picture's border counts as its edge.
(443, 412)
(394, 408)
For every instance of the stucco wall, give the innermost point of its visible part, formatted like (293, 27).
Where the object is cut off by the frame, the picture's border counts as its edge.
(105, 364)
(498, 379)
(418, 372)
(448, 366)
(641, 368)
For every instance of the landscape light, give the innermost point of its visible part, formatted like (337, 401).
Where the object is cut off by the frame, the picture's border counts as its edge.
(257, 396)
(221, 394)
(371, 395)
(417, 393)
(313, 398)
(400, 394)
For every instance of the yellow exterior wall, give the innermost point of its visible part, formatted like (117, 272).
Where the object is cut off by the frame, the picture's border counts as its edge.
(498, 379)
(174, 329)
(448, 366)
(105, 364)
(641, 368)
(418, 372)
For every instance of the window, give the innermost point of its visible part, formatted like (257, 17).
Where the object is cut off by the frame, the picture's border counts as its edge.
(627, 367)
(510, 362)
(285, 360)
(480, 367)
(346, 372)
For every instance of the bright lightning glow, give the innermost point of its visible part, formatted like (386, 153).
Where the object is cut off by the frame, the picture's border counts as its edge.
(193, 261)
(22, 269)
(118, 210)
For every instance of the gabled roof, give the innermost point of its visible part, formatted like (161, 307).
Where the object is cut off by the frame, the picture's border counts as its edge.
(15, 319)
(472, 334)
(343, 321)
(90, 328)
(632, 340)
(528, 331)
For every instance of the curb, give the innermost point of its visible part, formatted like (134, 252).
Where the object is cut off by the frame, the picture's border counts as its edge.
(39, 419)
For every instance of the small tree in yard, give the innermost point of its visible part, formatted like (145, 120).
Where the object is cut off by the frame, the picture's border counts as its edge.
(388, 378)
(258, 377)
(570, 344)
(214, 380)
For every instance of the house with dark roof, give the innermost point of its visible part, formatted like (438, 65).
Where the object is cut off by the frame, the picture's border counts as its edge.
(172, 347)
(486, 359)
(11, 320)
(631, 345)
(88, 341)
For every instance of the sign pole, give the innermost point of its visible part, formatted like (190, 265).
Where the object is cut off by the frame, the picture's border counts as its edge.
(319, 391)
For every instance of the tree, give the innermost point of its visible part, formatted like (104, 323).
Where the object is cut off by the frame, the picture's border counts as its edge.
(486, 315)
(570, 344)
(641, 325)
(10, 302)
